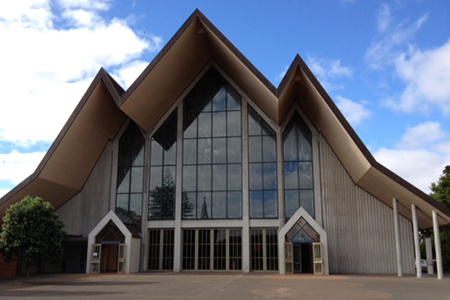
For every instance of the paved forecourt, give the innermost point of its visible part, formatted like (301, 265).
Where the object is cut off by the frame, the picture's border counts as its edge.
(224, 286)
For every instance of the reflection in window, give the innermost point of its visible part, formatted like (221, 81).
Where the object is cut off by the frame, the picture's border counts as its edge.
(298, 168)
(212, 179)
(262, 168)
(302, 232)
(162, 172)
(130, 172)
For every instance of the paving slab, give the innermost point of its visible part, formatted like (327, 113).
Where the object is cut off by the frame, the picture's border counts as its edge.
(222, 286)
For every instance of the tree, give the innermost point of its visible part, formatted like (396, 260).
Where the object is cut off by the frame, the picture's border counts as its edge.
(441, 193)
(32, 231)
(162, 200)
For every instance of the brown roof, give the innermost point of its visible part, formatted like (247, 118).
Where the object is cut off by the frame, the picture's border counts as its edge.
(105, 107)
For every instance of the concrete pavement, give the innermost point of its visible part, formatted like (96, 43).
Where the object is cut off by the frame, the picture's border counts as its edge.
(234, 286)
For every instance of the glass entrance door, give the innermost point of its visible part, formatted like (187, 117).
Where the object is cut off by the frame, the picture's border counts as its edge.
(297, 258)
(303, 262)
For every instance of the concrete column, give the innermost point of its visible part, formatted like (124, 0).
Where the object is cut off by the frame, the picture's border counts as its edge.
(280, 178)
(397, 238)
(245, 192)
(179, 192)
(429, 252)
(437, 245)
(416, 240)
(144, 221)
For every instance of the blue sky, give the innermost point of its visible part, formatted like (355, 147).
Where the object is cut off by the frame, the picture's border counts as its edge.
(385, 64)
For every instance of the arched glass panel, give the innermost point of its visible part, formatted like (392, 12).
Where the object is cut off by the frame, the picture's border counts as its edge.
(130, 176)
(212, 150)
(161, 205)
(263, 187)
(298, 167)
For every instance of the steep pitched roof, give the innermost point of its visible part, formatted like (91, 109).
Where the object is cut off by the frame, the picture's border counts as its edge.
(75, 151)
(105, 106)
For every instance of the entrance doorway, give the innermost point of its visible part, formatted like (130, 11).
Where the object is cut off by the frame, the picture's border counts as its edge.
(303, 260)
(108, 253)
(109, 258)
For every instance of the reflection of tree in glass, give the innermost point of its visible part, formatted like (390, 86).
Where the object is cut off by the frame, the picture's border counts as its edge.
(204, 210)
(162, 200)
(187, 208)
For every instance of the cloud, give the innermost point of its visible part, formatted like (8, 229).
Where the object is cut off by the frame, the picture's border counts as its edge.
(328, 70)
(425, 73)
(420, 155)
(281, 75)
(51, 51)
(16, 166)
(129, 72)
(427, 78)
(383, 17)
(392, 37)
(354, 112)
(47, 68)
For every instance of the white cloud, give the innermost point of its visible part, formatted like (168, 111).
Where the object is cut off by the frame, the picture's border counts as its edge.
(420, 155)
(424, 135)
(328, 70)
(50, 52)
(383, 17)
(424, 72)
(85, 4)
(392, 37)
(281, 75)
(16, 166)
(427, 78)
(129, 73)
(354, 112)
(45, 70)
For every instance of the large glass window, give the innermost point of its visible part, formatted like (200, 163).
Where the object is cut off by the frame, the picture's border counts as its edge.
(298, 167)
(262, 168)
(161, 243)
(212, 152)
(212, 249)
(264, 249)
(130, 173)
(161, 204)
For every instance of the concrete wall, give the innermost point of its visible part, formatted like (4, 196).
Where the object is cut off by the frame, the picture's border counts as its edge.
(360, 228)
(135, 255)
(83, 212)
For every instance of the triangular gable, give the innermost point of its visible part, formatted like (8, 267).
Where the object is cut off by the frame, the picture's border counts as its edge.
(110, 216)
(302, 213)
(130, 242)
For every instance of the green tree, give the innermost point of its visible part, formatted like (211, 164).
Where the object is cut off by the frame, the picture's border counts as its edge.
(32, 231)
(441, 193)
(162, 200)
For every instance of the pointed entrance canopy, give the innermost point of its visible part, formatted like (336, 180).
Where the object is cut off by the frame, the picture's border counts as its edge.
(105, 107)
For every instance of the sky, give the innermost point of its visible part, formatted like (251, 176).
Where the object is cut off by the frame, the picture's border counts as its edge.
(385, 64)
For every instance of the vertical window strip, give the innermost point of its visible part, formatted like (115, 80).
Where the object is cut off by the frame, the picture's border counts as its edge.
(162, 194)
(298, 167)
(211, 201)
(263, 200)
(130, 180)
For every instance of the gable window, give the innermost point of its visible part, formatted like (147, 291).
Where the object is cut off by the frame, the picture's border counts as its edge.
(262, 158)
(298, 167)
(212, 151)
(130, 172)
